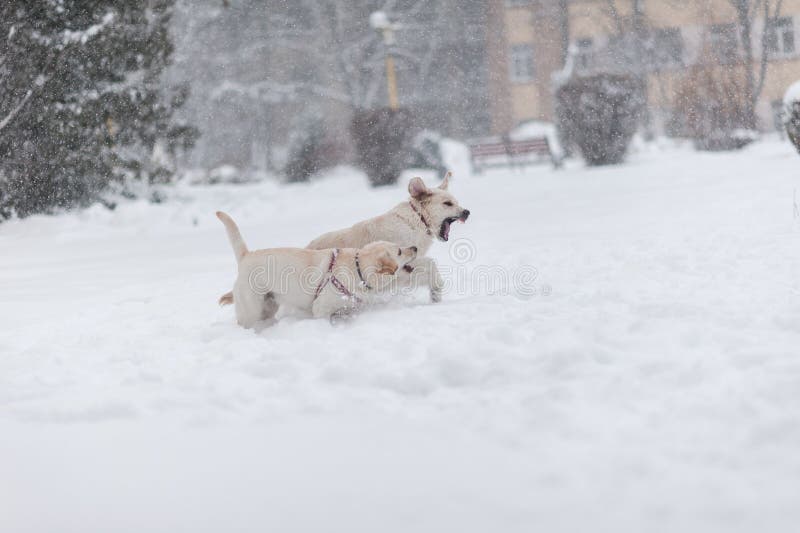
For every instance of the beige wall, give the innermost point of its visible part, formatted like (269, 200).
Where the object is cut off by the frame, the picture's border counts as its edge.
(591, 19)
(531, 99)
(500, 102)
(525, 97)
(527, 102)
(519, 23)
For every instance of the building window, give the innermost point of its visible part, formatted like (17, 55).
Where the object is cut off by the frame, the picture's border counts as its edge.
(780, 36)
(583, 57)
(725, 43)
(521, 63)
(668, 47)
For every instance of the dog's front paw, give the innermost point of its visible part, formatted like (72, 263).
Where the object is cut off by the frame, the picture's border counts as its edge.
(436, 296)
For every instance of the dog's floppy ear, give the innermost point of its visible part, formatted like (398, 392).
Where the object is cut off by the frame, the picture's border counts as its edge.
(417, 188)
(445, 181)
(387, 265)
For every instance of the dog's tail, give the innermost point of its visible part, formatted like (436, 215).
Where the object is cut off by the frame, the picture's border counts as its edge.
(237, 243)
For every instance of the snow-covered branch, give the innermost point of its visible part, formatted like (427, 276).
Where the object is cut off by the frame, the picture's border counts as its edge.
(275, 92)
(82, 36)
(8, 118)
(38, 83)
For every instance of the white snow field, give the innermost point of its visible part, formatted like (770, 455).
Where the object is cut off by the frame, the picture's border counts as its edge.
(651, 382)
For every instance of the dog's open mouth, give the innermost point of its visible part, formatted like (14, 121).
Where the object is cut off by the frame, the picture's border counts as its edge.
(444, 231)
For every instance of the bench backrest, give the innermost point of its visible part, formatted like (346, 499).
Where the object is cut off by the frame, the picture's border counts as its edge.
(537, 145)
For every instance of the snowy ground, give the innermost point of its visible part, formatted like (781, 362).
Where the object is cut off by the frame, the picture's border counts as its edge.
(650, 383)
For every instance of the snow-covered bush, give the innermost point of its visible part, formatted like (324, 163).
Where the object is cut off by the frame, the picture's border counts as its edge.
(599, 114)
(313, 148)
(791, 114)
(306, 152)
(81, 107)
(426, 152)
(382, 139)
(225, 174)
(711, 105)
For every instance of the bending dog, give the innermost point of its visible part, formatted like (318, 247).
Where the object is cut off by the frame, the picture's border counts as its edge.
(327, 283)
(426, 215)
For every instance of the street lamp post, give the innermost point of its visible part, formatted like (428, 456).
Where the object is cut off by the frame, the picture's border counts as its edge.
(380, 22)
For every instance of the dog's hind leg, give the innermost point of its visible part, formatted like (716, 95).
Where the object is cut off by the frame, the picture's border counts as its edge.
(248, 308)
(270, 307)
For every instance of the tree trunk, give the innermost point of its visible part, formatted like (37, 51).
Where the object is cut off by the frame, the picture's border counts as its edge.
(640, 30)
(746, 32)
(563, 8)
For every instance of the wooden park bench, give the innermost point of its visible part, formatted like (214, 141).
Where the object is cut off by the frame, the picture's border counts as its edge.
(503, 152)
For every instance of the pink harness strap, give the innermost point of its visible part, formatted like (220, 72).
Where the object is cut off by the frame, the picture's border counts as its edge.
(334, 281)
(330, 269)
(421, 217)
(342, 289)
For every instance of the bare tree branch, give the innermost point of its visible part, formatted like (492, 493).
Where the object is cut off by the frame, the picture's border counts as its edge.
(613, 12)
(762, 74)
(16, 110)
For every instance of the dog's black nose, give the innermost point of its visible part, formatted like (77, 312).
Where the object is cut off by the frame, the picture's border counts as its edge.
(465, 214)
(414, 248)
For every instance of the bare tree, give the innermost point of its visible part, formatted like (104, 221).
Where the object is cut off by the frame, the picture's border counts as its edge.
(755, 72)
(633, 49)
(265, 69)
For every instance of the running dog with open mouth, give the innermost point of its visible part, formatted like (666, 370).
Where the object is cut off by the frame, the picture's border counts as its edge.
(427, 214)
(328, 283)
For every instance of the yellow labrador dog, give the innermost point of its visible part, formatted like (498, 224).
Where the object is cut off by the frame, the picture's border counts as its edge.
(328, 283)
(425, 216)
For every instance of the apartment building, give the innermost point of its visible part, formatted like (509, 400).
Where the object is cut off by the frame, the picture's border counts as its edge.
(530, 40)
